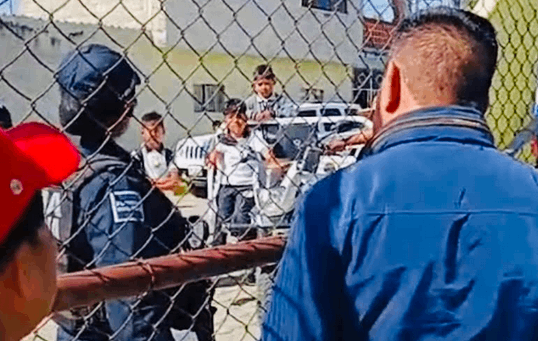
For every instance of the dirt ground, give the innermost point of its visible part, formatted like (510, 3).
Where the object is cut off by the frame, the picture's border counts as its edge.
(235, 319)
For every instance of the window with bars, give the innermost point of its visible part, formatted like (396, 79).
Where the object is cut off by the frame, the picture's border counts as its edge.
(326, 5)
(209, 98)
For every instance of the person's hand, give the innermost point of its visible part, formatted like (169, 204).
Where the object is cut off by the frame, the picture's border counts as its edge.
(170, 182)
(264, 116)
(336, 145)
(165, 184)
(214, 158)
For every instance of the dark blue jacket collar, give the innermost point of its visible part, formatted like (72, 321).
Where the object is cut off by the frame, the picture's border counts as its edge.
(451, 123)
(96, 148)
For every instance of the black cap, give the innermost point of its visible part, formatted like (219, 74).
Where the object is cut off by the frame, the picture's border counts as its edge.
(100, 79)
(85, 70)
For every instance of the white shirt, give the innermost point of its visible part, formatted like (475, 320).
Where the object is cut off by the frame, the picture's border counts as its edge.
(154, 163)
(265, 103)
(242, 162)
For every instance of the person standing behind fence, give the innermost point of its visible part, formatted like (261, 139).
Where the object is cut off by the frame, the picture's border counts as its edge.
(37, 156)
(434, 234)
(265, 103)
(237, 157)
(155, 158)
(116, 215)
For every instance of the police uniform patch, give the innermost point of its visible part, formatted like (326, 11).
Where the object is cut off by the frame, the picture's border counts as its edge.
(126, 206)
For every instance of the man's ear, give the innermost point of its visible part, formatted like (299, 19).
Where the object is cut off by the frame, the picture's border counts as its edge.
(392, 89)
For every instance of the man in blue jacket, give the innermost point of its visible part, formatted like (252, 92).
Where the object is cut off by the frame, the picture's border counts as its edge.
(434, 234)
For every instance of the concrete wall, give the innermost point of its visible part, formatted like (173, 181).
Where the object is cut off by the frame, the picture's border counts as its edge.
(32, 49)
(272, 28)
(268, 28)
(133, 14)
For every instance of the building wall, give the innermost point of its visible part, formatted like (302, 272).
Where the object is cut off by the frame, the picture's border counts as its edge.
(271, 28)
(133, 14)
(32, 50)
(268, 28)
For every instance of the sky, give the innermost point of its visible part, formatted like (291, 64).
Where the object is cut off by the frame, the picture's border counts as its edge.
(5, 6)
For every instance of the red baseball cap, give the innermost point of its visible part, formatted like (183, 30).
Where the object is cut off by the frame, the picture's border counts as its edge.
(35, 156)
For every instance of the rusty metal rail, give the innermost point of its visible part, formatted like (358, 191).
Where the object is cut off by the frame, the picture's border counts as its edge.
(130, 279)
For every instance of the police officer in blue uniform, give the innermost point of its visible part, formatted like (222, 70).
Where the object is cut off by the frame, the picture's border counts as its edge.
(116, 216)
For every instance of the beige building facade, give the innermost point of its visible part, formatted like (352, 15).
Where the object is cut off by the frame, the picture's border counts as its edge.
(190, 57)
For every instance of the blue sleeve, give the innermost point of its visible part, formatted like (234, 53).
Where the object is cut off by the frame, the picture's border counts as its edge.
(309, 285)
(122, 222)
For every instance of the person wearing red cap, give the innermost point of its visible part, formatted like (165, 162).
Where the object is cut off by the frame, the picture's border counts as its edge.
(36, 156)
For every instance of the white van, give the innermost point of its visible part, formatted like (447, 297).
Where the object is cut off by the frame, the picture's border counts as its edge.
(330, 109)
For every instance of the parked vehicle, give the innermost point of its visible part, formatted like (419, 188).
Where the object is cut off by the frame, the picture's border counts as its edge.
(324, 122)
(329, 110)
(190, 159)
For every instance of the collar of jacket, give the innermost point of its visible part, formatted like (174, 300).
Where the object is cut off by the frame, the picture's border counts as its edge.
(451, 123)
(97, 148)
(274, 96)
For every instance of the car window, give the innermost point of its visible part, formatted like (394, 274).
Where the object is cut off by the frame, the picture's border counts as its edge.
(307, 113)
(350, 111)
(347, 126)
(287, 141)
(328, 126)
(330, 112)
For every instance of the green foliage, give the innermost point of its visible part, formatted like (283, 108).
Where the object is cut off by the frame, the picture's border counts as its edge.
(514, 84)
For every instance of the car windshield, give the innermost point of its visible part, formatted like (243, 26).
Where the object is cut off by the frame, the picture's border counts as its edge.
(347, 126)
(342, 127)
(288, 141)
(307, 113)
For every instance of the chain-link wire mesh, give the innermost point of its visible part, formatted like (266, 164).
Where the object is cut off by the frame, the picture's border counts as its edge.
(139, 200)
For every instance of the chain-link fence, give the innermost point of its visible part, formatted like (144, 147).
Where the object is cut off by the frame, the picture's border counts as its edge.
(326, 63)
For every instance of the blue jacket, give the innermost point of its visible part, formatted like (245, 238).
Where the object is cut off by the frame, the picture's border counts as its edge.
(432, 236)
(118, 217)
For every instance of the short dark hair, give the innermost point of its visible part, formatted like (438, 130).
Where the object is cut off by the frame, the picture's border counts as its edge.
(153, 117)
(264, 71)
(235, 106)
(5, 118)
(447, 52)
(216, 123)
(25, 230)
